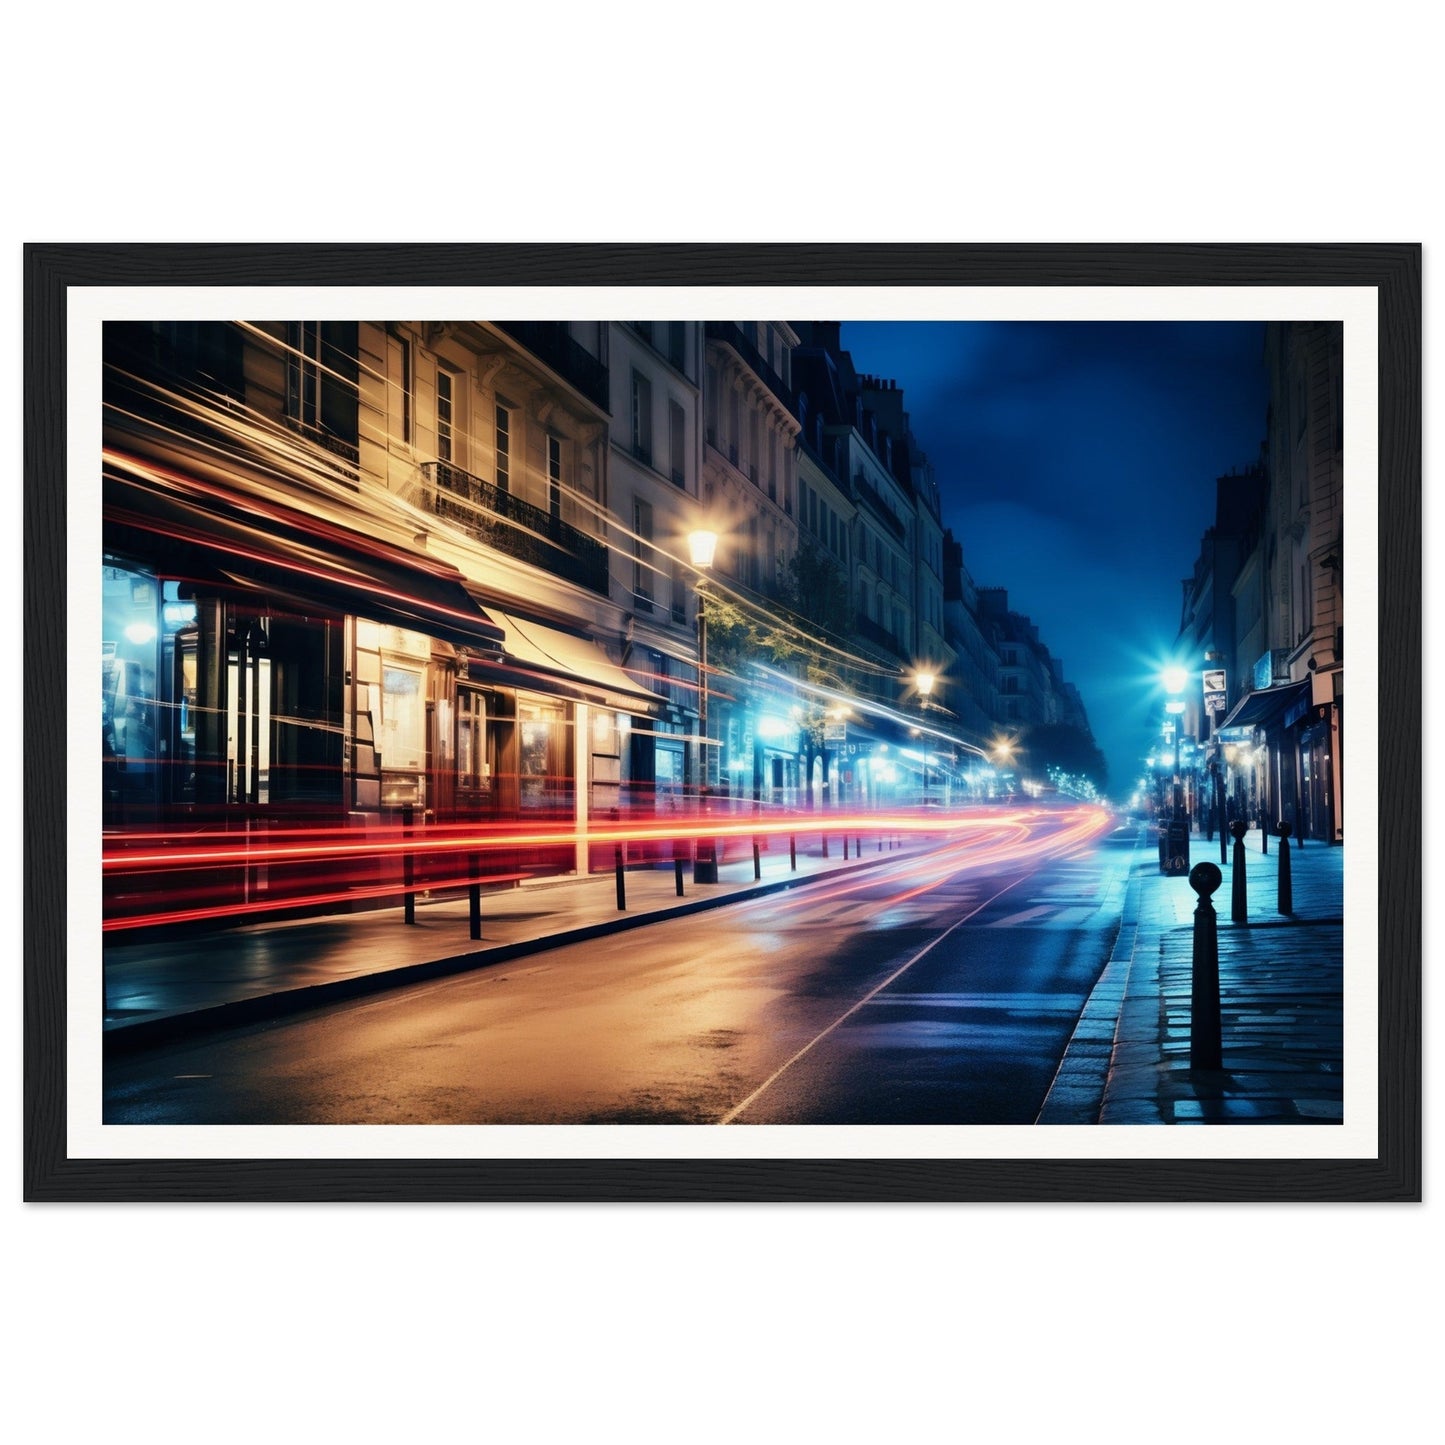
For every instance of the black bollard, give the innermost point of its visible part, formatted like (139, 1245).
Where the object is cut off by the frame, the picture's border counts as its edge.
(1263, 836)
(845, 847)
(408, 868)
(677, 874)
(757, 862)
(1239, 901)
(1286, 883)
(825, 845)
(621, 884)
(1205, 1049)
(792, 853)
(474, 895)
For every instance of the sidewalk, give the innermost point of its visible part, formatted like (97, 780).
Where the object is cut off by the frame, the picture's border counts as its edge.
(1281, 1001)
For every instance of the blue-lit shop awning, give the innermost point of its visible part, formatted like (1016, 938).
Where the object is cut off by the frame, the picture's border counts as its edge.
(1264, 708)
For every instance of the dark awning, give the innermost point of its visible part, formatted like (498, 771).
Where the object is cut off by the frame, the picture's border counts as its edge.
(1260, 709)
(215, 535)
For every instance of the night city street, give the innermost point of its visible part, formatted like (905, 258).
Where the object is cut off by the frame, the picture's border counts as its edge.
(697, 722)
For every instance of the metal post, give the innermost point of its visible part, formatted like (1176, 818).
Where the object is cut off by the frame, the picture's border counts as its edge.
(792, 853)
(757, 862)
(1239, 899)
(677, 874)
(621, 883)
(1205, 1046)
(1220, 811)
(474, 891)
(1286, 883)
(825, 845)
(845, 847)
(408, 869)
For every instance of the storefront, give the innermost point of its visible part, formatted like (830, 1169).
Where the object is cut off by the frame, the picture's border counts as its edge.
(303, 675)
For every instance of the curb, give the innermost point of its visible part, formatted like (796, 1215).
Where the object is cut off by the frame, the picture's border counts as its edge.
(1076, 1095)
(149, 1033)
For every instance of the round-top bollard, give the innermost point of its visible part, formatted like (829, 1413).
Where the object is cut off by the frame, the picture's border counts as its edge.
(1239, 899)
(1205, 1046)
(1286, 883)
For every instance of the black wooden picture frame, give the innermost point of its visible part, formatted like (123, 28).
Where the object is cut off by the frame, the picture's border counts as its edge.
(51, 1175)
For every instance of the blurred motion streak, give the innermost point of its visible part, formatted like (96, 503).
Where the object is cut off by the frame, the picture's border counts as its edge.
(155, 878)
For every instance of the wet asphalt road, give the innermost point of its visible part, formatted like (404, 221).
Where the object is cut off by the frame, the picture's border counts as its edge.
(931, 991)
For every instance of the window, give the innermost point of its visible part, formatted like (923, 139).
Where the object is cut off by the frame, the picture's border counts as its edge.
(473, 768)
(504, 449)
(398, 387)
(554, 476)
(321, 382)
(641, 418)
(677, 344)
(677, 434)
(642, 554)
(542, 764)
(303, 372)
(445, 404)
(402, 738)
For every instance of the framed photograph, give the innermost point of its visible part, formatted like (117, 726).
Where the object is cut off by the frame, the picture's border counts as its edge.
(895, 756)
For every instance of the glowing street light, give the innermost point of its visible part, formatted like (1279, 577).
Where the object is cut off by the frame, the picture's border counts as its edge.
(702, 545)
(924, 680)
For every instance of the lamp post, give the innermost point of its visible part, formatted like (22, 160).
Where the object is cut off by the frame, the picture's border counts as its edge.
(1175, 860)
(702, 545)
(924, 681)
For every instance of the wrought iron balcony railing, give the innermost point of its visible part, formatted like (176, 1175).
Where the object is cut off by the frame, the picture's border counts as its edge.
(515, 527)
(550, 343)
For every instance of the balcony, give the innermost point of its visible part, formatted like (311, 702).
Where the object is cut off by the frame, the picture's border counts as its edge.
(515, 527)
(731, 334)
(866, 492)
(554, 347)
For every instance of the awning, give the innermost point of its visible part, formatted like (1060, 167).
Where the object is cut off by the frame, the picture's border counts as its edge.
(550, 660)
(215, 535)
(1260, 709)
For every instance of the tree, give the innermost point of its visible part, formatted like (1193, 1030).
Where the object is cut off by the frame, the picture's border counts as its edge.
(1067, 748)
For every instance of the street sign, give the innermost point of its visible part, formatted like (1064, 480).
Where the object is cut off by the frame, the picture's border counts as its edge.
(835, 732)
(1216, 693)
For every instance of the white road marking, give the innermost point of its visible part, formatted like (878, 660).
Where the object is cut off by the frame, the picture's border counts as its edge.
(844, 1017)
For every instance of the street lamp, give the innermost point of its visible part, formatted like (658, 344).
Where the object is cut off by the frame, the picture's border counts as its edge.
(702, 545)
(1174, 857)
(924, 681)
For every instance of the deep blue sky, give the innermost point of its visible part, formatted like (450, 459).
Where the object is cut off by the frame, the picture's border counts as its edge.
(1076, 463)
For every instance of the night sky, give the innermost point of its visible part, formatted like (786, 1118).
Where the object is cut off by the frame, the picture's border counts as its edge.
(1076, 462)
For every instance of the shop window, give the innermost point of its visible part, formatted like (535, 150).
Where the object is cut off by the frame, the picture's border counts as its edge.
(403, 717)
(131, 747)
(542, 756)
(474, 767)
